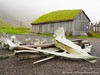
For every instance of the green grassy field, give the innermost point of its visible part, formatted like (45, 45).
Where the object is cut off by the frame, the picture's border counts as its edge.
(10, 29)
(4, 24)
(15, 30)
(93, 34)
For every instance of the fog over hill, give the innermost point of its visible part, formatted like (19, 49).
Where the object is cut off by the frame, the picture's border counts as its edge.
(23, 12)
(13, 20)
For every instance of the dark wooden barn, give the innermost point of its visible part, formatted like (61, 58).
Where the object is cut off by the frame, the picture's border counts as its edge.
(75, 22)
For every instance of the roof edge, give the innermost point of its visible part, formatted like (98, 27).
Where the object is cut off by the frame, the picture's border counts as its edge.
(51, 22)
(86, 16)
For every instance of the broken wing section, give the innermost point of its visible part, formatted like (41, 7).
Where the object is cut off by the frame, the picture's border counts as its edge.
(61, 42)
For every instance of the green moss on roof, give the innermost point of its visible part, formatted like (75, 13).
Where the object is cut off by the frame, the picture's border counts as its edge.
(60, 15)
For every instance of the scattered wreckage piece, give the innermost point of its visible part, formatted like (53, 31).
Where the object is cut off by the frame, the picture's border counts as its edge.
(66, 55)
(84, 44)
(74, 50)
(44, 59)
(6, 42)
(12, 43)
(66, 48)
(14, 40)
(42, 45)
(24, 54)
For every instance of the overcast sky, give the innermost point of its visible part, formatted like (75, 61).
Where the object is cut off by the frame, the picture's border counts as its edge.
(31, 9)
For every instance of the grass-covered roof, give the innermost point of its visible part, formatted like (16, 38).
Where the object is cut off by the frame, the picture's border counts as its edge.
(56, 16)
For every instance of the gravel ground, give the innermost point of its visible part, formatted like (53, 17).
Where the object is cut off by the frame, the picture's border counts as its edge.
(56, 66)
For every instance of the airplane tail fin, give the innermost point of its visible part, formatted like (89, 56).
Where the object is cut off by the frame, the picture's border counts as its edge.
(59, 32)
(61, 42)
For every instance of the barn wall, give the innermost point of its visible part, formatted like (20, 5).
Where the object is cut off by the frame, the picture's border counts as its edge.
(35, 28)
(81, 25)
(51, 27)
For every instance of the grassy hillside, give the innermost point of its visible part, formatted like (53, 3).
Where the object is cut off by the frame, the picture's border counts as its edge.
(8, 28)
(4, 24)
(60, 15)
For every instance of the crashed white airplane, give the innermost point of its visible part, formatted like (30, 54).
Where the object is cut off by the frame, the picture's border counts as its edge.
(73, 50)
(70, 49)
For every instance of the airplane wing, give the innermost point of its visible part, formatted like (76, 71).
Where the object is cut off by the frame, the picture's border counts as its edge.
(73, 49)
(62, 54)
